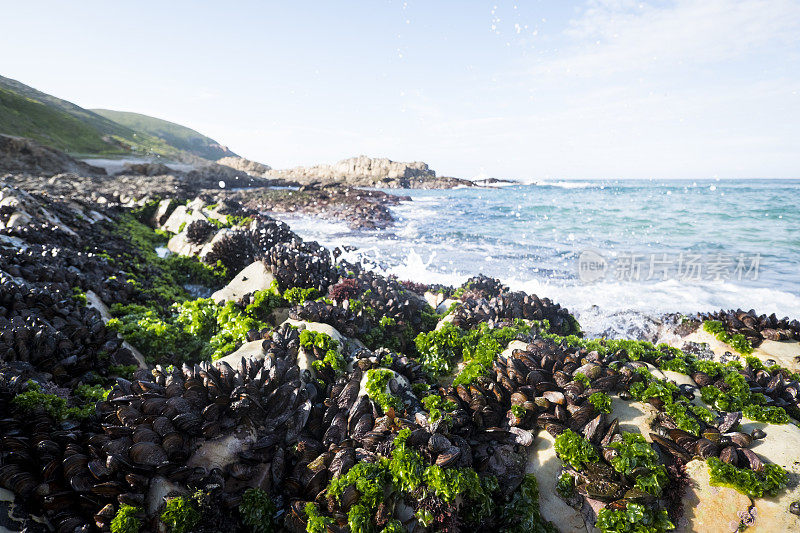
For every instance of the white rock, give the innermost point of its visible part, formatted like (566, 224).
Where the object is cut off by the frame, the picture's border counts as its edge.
(253, 350)
(162, 210)
(196, 205)
(513, 345)
(546, 466)
(780, 446)
(707, 508)
(255, 277)
(320, 327)
(93, 301)
(18, 218)
(445, 320)
(434, 298)
(159, 489)
(444, 306)
(222, 451)
(179, 244)
(181, 218)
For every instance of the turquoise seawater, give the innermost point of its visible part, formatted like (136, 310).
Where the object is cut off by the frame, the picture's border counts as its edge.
(668, 246)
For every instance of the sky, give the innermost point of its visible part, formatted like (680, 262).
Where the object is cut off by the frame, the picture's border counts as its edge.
(526, 89)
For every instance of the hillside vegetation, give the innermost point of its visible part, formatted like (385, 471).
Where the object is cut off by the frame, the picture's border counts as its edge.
(173, 134)
(57, 123)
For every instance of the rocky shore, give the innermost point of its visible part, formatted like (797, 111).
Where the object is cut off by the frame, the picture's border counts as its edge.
(361, 171)
(175, 359)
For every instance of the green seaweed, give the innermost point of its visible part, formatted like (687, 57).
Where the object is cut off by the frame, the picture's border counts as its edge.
(377, 384)
(768, 481)
(634, 455)
(79, 296)
(181, 514)
(737, 341)
(522, 514)
(126, 520)
(299, 295)
(601, 402)
(565, 485)
(635, 518)
(324, 342)
(440, 350)
(257, 511)
(317, 523)
(438, 408)
(575, 450)
(767, 414)
(33, 399)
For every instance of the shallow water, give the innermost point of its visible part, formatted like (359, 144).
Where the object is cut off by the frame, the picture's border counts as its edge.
(669, 246)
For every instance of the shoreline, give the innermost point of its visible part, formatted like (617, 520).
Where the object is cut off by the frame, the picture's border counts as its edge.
(335, 360)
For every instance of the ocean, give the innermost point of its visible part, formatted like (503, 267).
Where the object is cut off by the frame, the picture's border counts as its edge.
(617, 253)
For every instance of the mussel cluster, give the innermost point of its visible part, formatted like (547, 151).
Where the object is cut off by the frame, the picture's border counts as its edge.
(39, 459)
(51, 330)
(199, 231)
(487, 300)
(235, 250)
(301, 264)
(344, 320)
(756, 328)
(542, 380)
(377, 297)
(267, 232)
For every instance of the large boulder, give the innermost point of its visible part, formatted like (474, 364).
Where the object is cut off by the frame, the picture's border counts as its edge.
(181, 217)
(21, 155)
(255, 277)
(245, 165)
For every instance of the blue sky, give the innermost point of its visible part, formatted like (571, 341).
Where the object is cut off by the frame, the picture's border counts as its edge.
(535, 89)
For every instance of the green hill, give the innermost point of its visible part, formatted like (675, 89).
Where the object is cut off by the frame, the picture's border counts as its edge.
(173, 134)
(26, 112)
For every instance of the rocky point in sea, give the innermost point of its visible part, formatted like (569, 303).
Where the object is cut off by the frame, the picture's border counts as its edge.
(191, 364)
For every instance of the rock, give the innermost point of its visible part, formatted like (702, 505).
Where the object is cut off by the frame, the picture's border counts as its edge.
(20, 218)
(255, 277)
(20, 155)
(546, 466)
(222, 451)
(15, 517)
(444, 306)
(434, 298)
(319, 327)
(401, 381)
(780, 447)
(513, 345)
(785, 353)
(159, 489)
(163, 211)
(93, 301)
(245, 165)
(708, 508)
(179, 244)
(363, 171)
(182, 217)
(146, 169)
(249, 350)
(633, 416)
